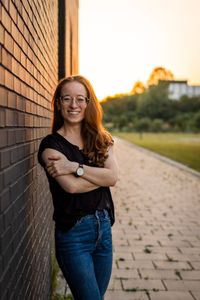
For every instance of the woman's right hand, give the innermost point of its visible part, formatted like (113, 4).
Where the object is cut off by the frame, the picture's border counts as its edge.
(57, 164)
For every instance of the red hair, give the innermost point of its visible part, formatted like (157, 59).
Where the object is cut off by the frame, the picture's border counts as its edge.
(96, 139)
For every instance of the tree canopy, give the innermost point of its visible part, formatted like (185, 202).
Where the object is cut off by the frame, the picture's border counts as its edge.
(150, 108)
(159, 73)
(138, 88)
(152, 111)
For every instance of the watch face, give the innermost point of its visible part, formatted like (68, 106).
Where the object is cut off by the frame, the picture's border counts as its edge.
(80, 171)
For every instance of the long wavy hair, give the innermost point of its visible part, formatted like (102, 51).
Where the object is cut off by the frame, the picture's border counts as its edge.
(96, 139)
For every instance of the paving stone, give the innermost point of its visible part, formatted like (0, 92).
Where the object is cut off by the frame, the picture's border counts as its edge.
(149, 256)
(158, 274)
(172, 265)
(190, 250)
(165, 250)
(184, 285)
(190, 238)
(195, 243)
(123, 273)
(168, 295)
(196, 295)
(190, 275)
(122, 255)
(134, 236)
(121, 242)
(115, 284)
(120, 248)
(149, 241)
(140, 248)
(195, 265)
(178, 243)
(122, 295)
(184, 257)
(141, 284)
(130, 264)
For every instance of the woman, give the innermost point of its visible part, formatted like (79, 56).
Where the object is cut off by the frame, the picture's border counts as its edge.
(80, 165)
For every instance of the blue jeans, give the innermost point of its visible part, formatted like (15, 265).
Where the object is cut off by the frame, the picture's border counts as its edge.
(84, 254)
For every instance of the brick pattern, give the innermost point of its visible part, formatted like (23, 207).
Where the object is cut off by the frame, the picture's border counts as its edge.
(157, 231)
(71, 58)
(28, 76)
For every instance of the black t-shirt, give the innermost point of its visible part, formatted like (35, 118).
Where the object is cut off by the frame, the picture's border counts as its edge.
(68, 208)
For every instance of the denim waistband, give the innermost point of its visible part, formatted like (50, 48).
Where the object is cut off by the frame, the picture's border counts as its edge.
(102, 212)
(98, 214)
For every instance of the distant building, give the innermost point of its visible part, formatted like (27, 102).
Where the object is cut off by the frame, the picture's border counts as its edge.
(179, 88)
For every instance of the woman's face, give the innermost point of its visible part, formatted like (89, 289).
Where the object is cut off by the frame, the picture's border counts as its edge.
(73, 102)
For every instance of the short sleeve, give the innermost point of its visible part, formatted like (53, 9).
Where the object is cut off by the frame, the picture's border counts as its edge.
(48, 142)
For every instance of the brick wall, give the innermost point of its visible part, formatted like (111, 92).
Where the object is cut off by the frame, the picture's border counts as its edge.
(28, 76)
(68, 37)
(71, 58)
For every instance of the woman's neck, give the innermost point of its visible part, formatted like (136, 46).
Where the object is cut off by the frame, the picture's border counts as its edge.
(72, 134)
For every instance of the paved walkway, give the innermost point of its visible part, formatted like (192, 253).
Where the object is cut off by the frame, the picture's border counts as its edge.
(157, 231)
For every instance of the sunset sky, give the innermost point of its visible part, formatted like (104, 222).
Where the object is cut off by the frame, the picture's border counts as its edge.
(121, 41)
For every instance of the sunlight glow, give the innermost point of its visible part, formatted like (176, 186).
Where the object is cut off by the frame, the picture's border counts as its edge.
(122, 41)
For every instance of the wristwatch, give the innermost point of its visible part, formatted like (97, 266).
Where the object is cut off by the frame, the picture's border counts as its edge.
(79, 171)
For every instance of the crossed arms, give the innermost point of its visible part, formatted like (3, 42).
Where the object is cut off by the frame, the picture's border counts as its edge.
(60, 168)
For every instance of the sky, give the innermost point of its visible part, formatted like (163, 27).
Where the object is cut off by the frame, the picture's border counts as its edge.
(122, 41)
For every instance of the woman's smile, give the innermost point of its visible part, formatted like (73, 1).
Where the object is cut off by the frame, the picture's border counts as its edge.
(72, 112)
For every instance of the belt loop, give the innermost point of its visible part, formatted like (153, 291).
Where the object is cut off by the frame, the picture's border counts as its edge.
(105, 213)
(96, 215)
(98, 226)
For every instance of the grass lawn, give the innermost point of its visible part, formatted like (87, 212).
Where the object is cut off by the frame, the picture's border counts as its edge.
(182, 147)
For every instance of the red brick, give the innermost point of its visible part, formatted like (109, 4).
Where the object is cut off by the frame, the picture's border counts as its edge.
(9, 80)
(2, 117)
(17, 85)
(2, 75)
(17, 52)
(21, 103)
(6, 59)
(18, 6)
(2, 34)
(20, 23)
(0, 53)
(0, 13)
(3, 97)
(24, 15)
(12, 100)
(14, 31)
(13, 12)
(6, 20)
(6, 4)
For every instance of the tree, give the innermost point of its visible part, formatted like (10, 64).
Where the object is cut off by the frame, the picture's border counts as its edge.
(157, 125)
(188, 104)
(115, 107)
(159, 73)
(196, 121)
(154, 103)
(143, 125)
(138, 88)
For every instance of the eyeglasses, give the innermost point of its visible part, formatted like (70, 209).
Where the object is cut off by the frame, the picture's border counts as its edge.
(80, 100)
